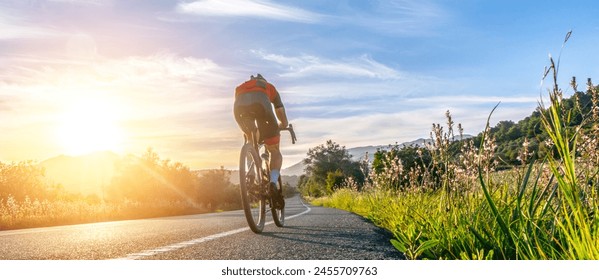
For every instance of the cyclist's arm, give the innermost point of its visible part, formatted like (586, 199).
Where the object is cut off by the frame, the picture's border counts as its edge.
(279, 108)
(282, 116)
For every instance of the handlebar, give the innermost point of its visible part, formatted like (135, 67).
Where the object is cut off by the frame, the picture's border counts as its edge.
(292, 132)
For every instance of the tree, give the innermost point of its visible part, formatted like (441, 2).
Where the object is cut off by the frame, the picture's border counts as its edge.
(324, 160)
(215, 189)
(334, 180)
(150, 179)
(22, 179)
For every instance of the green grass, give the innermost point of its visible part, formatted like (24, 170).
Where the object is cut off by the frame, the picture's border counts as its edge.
(546, 210)
(537, 212)
(508, 223)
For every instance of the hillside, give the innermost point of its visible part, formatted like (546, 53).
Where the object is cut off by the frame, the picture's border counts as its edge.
(85, 174)
(510, 136)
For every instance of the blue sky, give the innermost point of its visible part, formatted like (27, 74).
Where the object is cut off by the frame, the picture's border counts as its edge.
(84, 75)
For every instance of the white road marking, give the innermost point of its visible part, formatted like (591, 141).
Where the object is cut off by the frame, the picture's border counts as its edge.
(66, 227)
(184, 244)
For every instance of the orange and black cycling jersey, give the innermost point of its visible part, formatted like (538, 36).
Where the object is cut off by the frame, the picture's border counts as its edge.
(257, 85)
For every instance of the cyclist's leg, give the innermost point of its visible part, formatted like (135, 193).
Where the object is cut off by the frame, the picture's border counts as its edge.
(276, 161)
(269, 129)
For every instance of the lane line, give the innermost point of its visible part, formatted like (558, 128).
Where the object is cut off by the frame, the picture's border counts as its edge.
(184, 244)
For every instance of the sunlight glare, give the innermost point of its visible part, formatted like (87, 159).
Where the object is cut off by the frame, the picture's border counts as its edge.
(88, 127)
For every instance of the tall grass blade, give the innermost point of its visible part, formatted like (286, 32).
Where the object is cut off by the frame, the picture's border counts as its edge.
(521, 191)
(497, 216)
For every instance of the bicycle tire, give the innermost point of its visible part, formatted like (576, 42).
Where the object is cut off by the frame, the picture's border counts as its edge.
(252, 193)
(278, 215)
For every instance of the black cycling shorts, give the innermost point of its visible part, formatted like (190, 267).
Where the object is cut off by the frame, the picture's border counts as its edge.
(253, 109)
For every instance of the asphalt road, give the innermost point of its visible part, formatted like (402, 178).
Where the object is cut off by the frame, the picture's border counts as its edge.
(310, 233)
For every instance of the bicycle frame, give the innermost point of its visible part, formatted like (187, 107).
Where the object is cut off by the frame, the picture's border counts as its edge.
(254, 182)
(258, 146)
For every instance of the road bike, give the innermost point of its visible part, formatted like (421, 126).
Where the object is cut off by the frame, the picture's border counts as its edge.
(254, 178)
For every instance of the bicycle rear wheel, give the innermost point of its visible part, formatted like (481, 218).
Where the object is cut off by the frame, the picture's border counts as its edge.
(278, 213)
(252, 193)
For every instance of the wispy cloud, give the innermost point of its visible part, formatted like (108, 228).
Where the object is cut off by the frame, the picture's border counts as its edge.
(313, 66)
(360, 101)
(473, 99)
(326, 87)
(85, 2)
(247, 8)
(398, 17)
(14, 27)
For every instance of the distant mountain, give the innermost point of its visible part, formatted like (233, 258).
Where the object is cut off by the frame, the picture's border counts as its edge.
(296, 169)
(358, 153)
(85, 174)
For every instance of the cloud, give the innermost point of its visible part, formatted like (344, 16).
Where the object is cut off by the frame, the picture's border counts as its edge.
(396, 17)
(473, 99)
(247, 8)
(313, 66)
(328, 88)
(85, 2)
(360, 101)
(14, 27)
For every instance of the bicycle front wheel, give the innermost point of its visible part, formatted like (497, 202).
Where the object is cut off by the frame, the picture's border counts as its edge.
(252, 193)
(278, 211)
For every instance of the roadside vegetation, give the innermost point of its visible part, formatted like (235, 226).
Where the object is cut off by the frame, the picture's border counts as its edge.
(516, 191)
(144, 187)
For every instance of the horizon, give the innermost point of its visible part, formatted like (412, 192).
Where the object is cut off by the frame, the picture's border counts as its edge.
(231, 168)
(81, 76)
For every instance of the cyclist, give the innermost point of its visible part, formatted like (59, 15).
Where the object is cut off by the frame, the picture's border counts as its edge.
(254, 100)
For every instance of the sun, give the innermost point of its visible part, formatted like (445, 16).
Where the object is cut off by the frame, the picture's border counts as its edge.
(87, 127)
